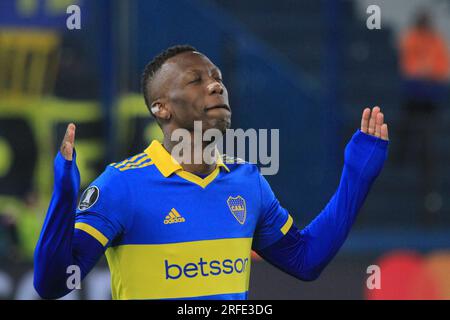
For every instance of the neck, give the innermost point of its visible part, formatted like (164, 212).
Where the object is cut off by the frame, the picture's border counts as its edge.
(195, 167)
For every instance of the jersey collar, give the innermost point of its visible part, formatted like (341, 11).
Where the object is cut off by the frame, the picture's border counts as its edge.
(167, 165)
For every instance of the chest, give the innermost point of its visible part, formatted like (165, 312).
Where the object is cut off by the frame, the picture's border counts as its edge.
(180, 211)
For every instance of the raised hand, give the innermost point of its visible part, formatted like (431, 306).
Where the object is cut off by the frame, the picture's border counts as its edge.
(68, 142)
(372, 122)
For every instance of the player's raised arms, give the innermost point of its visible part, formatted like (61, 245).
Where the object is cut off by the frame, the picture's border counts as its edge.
(60, 244)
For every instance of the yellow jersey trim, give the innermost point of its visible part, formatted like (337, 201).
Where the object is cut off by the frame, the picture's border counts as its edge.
(167, 165)
(196, 179)
(92, 232)
(162, 159)
(127, 162)
(285, 228)
(220, 163)
(137, 164)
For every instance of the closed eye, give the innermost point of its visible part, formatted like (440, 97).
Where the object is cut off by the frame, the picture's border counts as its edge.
(196, 80)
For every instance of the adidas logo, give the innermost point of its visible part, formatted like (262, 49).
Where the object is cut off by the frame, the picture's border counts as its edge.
(173, 217)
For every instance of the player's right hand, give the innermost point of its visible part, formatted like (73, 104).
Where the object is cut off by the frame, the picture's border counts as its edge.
(68, 142)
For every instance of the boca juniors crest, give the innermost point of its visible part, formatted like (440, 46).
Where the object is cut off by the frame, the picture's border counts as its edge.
(238, 208)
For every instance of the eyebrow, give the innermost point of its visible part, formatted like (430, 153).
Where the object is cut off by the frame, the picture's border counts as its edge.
(200, 71)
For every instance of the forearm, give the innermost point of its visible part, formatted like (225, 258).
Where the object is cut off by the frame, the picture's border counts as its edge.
(326, 234)
(305, 253)
(59, 245)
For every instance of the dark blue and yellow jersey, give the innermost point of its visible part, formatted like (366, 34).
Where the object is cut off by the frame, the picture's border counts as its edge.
(172, 234)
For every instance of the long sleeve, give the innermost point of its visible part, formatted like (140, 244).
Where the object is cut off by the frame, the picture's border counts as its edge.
(304, 254)
(60, 245)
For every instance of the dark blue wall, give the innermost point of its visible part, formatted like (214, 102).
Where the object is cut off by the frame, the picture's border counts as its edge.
(265, 92)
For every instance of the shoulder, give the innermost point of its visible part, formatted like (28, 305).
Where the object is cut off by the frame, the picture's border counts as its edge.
(238, 164)
(116, 174)
(113, 183)
(138, 161)
(232, 160)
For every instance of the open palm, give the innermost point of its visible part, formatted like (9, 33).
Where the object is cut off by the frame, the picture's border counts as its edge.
(372, 122)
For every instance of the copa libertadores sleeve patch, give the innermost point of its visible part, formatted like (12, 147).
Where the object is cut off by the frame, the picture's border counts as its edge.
(89, 198)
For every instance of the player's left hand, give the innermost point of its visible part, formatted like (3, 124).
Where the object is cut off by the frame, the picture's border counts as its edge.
(372, 122)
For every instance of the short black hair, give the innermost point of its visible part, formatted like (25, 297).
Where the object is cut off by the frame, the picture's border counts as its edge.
(153, 66)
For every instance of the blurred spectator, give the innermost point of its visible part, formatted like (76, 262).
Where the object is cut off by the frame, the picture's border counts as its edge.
(424, 53)
(424, 62)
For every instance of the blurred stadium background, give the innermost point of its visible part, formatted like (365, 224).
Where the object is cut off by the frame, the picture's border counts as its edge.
(313, 63)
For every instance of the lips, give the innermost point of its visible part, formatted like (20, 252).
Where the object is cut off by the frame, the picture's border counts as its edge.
(218, 106)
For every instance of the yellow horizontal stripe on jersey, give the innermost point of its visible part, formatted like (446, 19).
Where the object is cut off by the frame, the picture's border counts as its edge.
(196, 179)
(177, 270)
(92, 232)
(285, 228)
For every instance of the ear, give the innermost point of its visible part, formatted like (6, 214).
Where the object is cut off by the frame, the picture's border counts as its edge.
(160, 110)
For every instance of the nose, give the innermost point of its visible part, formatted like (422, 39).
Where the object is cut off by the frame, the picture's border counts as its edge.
(215, 88)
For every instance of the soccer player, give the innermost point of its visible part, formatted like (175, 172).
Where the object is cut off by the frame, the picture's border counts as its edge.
(181, 230)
